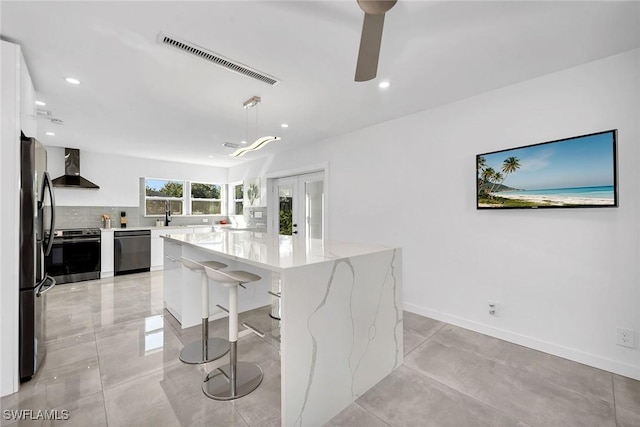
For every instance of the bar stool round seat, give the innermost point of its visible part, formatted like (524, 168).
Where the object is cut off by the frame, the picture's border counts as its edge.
(207, 348)
(234, 278)
(236, 379)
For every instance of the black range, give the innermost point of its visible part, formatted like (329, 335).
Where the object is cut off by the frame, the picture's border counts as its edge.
(75, 255)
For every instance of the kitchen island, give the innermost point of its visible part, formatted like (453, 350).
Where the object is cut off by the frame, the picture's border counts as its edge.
(341, 310)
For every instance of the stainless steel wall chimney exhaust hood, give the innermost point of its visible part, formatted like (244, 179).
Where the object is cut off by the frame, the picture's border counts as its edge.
(71, 177)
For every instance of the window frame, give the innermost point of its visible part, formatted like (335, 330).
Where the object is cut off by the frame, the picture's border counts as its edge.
(186, 199)
(170, 199)
(192, 199)
(232, 197)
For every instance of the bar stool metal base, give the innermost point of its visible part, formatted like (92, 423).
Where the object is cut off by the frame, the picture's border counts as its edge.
(216, 348)
(217, 383)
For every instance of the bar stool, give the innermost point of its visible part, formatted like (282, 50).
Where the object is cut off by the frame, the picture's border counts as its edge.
(205, 349)
(236, 379)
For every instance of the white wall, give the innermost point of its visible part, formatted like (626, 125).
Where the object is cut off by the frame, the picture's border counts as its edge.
(119, 177)
(563, 279)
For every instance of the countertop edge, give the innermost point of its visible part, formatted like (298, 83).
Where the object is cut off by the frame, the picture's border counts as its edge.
(280, 269)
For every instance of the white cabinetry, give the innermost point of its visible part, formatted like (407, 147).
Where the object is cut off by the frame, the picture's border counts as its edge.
(28, 122)
(15, 88)
(172, 278)
(106, 253)
(157, 246)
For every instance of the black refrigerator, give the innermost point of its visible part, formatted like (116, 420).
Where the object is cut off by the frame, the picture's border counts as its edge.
(35, 188)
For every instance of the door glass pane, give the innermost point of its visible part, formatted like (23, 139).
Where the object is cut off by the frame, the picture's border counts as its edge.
(314, 208)
(285, 194)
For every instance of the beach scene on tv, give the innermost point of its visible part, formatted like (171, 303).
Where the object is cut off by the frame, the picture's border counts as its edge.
(576, 172)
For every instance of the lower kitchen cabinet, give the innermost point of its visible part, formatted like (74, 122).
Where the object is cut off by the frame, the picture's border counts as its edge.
(106, 253)
(157, 245)
(172, 278)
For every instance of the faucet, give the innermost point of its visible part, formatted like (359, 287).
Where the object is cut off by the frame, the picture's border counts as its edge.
(167, 213)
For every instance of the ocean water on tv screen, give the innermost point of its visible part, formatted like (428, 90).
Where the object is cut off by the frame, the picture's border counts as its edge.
(603, 192)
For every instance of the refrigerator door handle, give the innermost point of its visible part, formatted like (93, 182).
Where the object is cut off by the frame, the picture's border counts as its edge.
(46, 183)
(39, 291)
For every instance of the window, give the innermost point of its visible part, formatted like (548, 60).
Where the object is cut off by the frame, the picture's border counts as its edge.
(184, 197)
(238, 199)
(160, 191)
(206, 199)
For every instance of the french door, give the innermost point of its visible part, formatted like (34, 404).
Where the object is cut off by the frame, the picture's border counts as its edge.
(300, 205)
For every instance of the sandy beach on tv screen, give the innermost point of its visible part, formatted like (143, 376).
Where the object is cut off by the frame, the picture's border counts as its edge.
(555, 200)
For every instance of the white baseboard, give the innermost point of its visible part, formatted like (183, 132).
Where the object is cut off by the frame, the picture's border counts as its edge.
(536, 344)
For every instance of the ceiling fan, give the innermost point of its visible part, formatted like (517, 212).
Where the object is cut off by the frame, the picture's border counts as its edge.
(374, 11)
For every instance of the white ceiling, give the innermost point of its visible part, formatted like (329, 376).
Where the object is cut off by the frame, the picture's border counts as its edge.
(143, 99)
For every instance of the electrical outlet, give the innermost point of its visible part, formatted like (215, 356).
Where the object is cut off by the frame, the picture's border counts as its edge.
(492, 308)
(205, 219)
(625, 337)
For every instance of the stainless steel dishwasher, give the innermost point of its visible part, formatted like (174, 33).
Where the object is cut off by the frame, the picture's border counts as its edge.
(132, 251)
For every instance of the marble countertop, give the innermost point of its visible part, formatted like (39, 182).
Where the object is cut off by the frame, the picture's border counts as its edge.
(178, 227)
(271, 251)
(148, 227)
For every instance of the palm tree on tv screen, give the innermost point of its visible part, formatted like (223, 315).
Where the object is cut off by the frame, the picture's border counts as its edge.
(482, 163)
(487, 175)
(497, 178)
(510, 165)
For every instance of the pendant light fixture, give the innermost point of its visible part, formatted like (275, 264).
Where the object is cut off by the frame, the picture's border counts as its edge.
(260, 142)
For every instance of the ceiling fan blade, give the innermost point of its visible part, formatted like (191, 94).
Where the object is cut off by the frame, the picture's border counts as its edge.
(367, 67)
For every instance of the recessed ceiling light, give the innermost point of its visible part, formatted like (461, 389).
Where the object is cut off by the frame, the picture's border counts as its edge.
(211, 157)
(384, 85)
(284, 125)
(50, 133)
(40, 103)
(243, 142)
(72, 81)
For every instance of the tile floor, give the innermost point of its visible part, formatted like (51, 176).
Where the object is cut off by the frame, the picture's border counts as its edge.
(112, 359)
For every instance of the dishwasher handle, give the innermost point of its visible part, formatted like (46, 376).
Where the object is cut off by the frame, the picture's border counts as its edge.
(138, 233)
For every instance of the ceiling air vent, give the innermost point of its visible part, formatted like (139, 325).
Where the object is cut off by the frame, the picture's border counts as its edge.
(217, 59)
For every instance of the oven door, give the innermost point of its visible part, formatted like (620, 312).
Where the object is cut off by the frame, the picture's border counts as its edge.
(73, 259)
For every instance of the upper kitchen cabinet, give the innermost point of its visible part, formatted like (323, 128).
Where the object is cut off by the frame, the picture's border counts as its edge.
(28, 109)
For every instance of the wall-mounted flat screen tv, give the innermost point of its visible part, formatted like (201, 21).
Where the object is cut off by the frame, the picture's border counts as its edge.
(577, 172)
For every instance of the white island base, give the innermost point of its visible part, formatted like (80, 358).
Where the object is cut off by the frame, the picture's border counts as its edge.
(341, 309)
